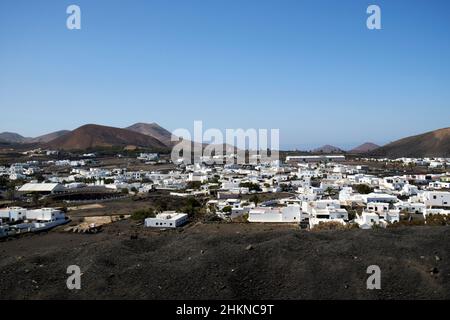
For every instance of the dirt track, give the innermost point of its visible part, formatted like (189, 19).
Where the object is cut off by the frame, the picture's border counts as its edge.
(213, 261)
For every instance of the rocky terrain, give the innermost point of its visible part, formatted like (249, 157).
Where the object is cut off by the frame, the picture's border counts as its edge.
(228, 261)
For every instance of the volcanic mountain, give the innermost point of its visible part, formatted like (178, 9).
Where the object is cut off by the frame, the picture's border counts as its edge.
(431, 144)
(327, 149)
(365, 147)
(47, 137)
(16, 138)
(12, 137)
(96, 136)
(154, 130)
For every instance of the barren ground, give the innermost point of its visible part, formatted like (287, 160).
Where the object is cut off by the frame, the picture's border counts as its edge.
(212, 261)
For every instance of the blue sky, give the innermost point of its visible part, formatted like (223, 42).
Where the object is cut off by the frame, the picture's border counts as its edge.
(310, 68)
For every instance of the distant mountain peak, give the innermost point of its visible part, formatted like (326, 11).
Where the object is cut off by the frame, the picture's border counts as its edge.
(365, 147)
(153, 130)
(12, 137)
(327, 149)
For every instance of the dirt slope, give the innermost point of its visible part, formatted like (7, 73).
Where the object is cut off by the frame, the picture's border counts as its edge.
(431, 144)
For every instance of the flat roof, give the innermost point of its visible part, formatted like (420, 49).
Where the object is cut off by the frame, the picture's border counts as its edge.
(36, 187)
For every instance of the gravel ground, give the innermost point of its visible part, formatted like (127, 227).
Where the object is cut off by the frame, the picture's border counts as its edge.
(228, 261)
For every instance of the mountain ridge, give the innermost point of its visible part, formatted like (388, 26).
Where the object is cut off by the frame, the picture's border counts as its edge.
(434, 143)
(97, 136)
(364, 148)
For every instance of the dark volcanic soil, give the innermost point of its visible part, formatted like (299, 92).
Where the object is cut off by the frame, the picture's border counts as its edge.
(213, 261)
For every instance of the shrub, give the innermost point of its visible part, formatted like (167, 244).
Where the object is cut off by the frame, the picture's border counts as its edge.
(227, 209)
(251, 186)
(351, 214)
(330, 225)
(192, 207)
(254, 199)
(437, 220)
(194, 185)
(407, 223)
(363, 188)
(142, 214)
(241, 219)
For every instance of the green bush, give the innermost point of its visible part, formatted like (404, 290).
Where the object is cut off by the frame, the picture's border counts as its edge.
(363, 188)
(227, 209)
(251, 186)
(143, 214)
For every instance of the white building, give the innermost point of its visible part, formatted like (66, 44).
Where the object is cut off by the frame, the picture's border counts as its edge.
(367, 219)
(40, 215)
(324, 211)
(314, 159)
(378, 197)
(289, 214)
(13, 214)
(148, 156)
(45, 214)
(394, 183)
(410, 207)
(41, 188)
(435, 198)
(167, 219)
(377, 214)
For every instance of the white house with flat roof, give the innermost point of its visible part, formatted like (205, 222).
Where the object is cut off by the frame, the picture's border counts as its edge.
(316, 158)
(167, 219)
(289, 214)
(13, 214)
(367, 219)
(45, 214)
(42, 188)
(410, 207)
(324, 211)
(379, 197)
(435, 198)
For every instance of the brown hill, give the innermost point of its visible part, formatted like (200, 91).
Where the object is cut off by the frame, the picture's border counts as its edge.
(96, 136)
(12, 137)
(365, 147)
(47, 137)
(327, 149)
(154, 130)
(431, 144)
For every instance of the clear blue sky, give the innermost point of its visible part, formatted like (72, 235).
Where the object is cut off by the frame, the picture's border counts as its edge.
(310, 68)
